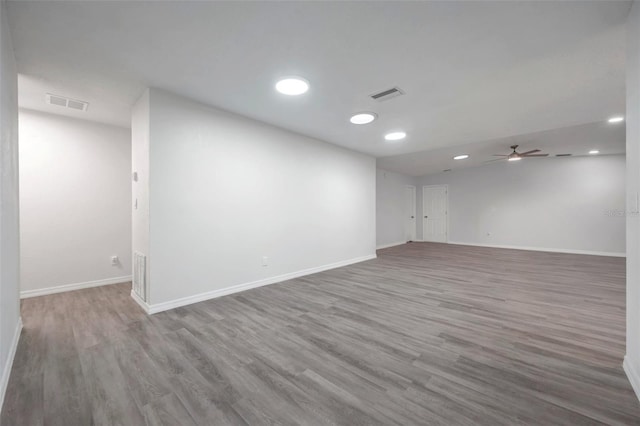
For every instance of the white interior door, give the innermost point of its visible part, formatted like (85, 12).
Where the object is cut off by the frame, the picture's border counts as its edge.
(434, 211)
(410, 213)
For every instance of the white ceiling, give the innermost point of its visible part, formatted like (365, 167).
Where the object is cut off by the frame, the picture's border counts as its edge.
(575, 140)
(472, 71)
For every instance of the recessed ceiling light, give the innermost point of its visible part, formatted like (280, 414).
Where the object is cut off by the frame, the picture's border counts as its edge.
(594, 151)
(363, 117)
(617, 119)
(292, 86)
(461, 157)
(395, 136)
(515, 158)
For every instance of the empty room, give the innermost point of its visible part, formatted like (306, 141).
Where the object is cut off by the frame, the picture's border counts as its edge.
(319, 213)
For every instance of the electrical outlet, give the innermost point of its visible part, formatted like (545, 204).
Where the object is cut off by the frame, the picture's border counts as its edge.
(265, 261)
(114, 260)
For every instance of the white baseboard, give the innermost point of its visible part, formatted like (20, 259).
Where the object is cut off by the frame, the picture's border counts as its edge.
(70, 287)
(165, 306)
(549, 250)
(6, 372)
(632, 375)
(384, 246)
(144, 305)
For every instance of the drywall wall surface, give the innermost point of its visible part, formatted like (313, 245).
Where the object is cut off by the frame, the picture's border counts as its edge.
(632, 358)
(574, 203)
(235, 201)
(75, 199)
(140, 181)
(9, 205)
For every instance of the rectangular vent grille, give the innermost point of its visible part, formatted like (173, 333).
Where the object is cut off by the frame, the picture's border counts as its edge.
(140, 275)
(56, 100)
(67, 102)
(387, 94)
(563, 155)
(77, 105)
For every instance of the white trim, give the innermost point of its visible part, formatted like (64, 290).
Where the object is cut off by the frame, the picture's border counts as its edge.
(6, 372)
(70, 287)
(632, 375)
(550, 250)
(165, 306)
(384, 246)
(144, 305)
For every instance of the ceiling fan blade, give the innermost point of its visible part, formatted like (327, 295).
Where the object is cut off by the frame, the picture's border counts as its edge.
(534, 155)
(491, 161)
(530, 152)
(501, 155)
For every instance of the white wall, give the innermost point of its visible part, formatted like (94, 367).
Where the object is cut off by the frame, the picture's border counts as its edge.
(75, 202)
(140, 188)
(226, 191)
(10, 324)
(551, 203)
(632, 359)
(390, 207)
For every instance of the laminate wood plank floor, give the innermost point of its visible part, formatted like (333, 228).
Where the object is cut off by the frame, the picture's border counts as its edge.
(427, 334)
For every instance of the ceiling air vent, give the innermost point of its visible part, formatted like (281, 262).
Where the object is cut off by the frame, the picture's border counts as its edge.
(66, 102)
(56, 100)
(387, 94)
(563, 155)
(79, 105)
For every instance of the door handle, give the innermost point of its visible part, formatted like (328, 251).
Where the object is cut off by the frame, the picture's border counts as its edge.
(426, 217)
(411, 217)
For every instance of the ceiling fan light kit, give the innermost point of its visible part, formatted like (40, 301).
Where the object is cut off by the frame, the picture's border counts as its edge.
(517, 156)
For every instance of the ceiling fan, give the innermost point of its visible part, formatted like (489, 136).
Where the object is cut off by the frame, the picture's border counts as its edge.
(515, 155)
